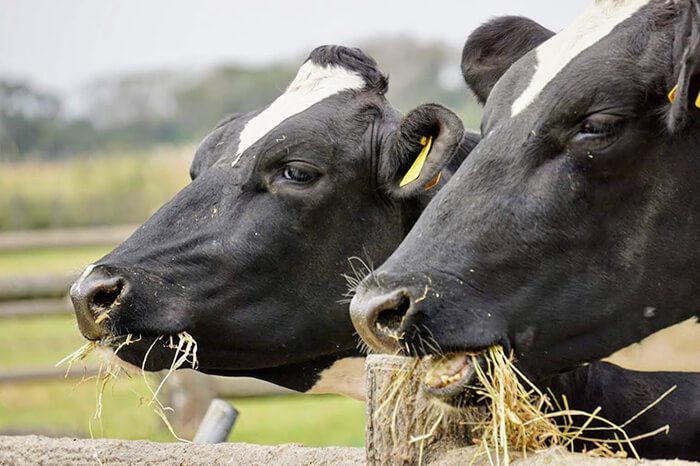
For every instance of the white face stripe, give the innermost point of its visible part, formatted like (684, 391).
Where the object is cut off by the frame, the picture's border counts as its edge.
(312, 84)
(553, 55)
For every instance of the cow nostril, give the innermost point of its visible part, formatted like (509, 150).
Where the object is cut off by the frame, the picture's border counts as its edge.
(106, 297)
(380, 318)
(96, 295)
(389, 320)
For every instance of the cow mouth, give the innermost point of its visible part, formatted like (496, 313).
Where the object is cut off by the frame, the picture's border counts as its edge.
(111, 354)
(451, 378)
(147, 352)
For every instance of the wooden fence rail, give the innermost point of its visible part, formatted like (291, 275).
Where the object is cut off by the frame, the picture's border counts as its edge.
(35, 307)
(41, 286)
(93, 236)
(183, 381)
(42, 374)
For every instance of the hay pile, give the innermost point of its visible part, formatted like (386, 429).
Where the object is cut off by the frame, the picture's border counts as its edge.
(518, 416)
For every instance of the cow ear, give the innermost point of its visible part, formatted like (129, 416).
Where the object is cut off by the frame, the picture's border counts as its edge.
(210, 150)
(685, 95)
(423, 144)
(494, 46)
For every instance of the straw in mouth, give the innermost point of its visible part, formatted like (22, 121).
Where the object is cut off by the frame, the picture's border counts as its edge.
(519, 416)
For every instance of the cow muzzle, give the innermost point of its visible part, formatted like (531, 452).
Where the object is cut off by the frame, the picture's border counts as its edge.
(380, 317)
(96, 295)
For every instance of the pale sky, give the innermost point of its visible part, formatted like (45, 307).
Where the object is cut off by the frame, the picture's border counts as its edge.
(60, 44)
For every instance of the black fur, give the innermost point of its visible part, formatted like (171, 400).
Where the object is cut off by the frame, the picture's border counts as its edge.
(622, 394)
(352, 59)
(494, 46)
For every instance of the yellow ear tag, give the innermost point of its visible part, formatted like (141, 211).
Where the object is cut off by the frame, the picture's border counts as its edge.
(433, 182)
(672, 94)
(414, 172)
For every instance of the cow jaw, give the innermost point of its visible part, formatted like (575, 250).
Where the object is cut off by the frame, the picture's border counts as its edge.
(449, 377)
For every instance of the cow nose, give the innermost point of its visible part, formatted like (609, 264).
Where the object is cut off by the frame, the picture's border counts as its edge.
(379, 318)
(95, 295)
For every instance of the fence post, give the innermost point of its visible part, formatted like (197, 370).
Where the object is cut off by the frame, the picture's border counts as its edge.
(189, 394)
(217, 423)
(403, 425)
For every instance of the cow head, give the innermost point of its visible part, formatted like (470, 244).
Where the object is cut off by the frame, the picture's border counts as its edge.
(571, 229)
(249, 257)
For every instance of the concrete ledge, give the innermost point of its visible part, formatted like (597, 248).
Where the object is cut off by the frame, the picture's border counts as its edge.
(552, 457)
(36, 450)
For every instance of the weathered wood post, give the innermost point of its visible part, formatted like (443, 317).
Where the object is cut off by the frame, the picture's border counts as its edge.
(217, 423)
(403, 426)
(189, 394)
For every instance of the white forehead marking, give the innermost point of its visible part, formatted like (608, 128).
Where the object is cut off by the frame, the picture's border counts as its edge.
(312, 84)
(596, 22)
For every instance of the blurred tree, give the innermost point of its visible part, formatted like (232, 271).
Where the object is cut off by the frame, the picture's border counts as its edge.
(139, 110)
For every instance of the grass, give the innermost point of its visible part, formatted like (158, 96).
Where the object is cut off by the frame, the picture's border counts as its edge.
(314, 420)
(62, 408)
(37, 342)
(103, 189)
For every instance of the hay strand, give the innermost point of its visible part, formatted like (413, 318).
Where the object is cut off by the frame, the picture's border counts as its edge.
(522, 418)
(185, 351)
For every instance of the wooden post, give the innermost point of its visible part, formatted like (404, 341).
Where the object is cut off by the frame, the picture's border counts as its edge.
(217, 423)
(189, 394)
(403, 426)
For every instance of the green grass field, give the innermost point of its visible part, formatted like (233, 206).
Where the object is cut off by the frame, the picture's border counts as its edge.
(103, 189)
(66, 408)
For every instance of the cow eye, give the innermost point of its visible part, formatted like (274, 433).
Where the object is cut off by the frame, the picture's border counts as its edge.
(298, 175)
(599, 130)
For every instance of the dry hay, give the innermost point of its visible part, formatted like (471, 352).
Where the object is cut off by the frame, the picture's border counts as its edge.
(406, 423)
(519, 417)
(111, 368)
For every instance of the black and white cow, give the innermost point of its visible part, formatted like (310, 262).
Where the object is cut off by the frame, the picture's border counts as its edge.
(570, 231)
(249, 257)
(110, 286)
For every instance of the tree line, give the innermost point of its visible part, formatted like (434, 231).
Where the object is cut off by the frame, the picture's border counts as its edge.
(139, 110)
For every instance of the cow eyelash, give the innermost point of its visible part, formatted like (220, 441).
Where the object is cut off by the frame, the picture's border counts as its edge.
(599, 129)
(602, 129)
(298, 175)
